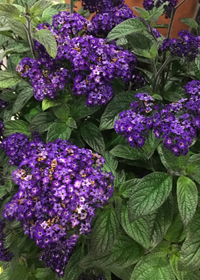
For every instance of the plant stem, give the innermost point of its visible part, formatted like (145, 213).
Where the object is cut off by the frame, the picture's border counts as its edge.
(160, 71)
(71, 6)
(28, 29)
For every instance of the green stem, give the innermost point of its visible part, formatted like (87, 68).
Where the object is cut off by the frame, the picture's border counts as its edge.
(71, 6)
(160, 71)
(30, 40)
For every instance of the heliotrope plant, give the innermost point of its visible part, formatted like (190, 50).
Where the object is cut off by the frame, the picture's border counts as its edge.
(99, 142)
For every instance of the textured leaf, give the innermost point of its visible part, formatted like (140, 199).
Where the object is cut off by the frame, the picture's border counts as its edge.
(170, 161)
(73, 270)
(119, 103)
(155, 268)
(16, 126)
(149, 194)
(126, 187)
(161, 222)
(93, 137)
(126, 27)
(80, 110)
(111, 163)
(190, 22)
(58, 130)
(127, 152)
(176, 232)
(48, 103)
(42, 272)
(139, 230)
(47, 15)
(9, 79)
(18, 28)
(39, 7)
(187, 197)
(190, 252)
(71, 122)
(104, 233)
(62, 112)
(9, 11)
(23, 97)
(47, 39)
(41, 122)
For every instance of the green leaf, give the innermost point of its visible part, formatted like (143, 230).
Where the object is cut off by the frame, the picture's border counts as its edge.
(125, 252)
(111, 163)
(150, 144)
(48, 103)
(39, 7)
(162, 219)
(187, 197)
(155, 13)
(16, 126)
(192, 169)
(9, 11)
(9, 79)
(140, 44)
(58, 130)
(139, 230)
(61, 7)
(42, 272)
(62, 112)
(80, 110)
(23, 97)
(71, 122)
(149, 194)
(119, 103)
(104, 233)
(176, 232)
(126, 187)
(73, 270)
(190, 251)
(20, 272)
(142, 12)
(93, 137)
(122, 273)
(172, 162)
(47, 39)
(3, 191)
(8, 95)
(18, 28)
(41, 122)
(125, 28)
(190, 22)
(127, 152)
(47, 15)
(155, 268)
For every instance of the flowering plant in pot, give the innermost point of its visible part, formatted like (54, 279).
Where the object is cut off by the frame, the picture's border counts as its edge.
(99, 124)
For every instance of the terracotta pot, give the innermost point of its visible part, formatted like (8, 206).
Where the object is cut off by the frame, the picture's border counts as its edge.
(189, 9)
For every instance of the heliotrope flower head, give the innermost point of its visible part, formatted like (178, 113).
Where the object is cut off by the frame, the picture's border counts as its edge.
(185, 46)
(60, 186)
(101, 5)
(170, 4)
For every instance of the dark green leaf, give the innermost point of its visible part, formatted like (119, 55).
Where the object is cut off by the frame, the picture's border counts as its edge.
(80, 110)
(126, 27)
(111, 163)
(9, 79)
(93, 137)
(155, 268)
(122, 273)
(176, 232)
(192, 169)
(162, 219)
(190, 22)
(126, 187)
(172, 162)
(42, 272)
(23, 97)
(62, 112)
(3, 191)
(39, 7)
(149, 194)
(139, 41)
(187, 197)
(73, 270)
(8, 95)
(151, 144)
(47, 39)
(127, 152)
(16, 126)
(190, 251)
(104, 233)
(139, 230)
(41, 122)
(119, 103)
(71, 122)
(58, 130)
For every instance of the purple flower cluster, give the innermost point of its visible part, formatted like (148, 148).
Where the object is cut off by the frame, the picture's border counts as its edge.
(5, 255)
(1, 128)
(185, 46)
(46, 76)
(101, 5)
(137, 80)
(15, 147)
(176, 124)
(93, 63)
(133, 124)
(103, 23)
(60, 186)
(149, 4)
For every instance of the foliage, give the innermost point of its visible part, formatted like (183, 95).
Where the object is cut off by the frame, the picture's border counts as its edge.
(124, 102)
